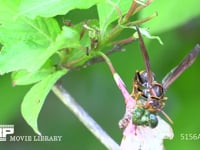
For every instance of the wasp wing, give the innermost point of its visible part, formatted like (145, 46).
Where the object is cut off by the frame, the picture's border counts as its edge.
(178, 70)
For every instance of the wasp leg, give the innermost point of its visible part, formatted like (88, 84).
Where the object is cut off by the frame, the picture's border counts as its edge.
(135, 93)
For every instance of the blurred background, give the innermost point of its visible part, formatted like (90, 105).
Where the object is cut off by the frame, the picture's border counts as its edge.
(94, 88)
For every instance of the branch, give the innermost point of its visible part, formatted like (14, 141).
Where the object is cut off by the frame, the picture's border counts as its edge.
(118, 47)
(84, 117)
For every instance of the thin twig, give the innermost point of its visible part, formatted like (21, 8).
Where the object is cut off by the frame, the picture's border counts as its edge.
(143, 20)
(131, 10)
(124, 41)
(84, 117)
(142, 6)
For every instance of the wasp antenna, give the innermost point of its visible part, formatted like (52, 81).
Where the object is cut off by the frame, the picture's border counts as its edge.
(145, 56)
(166, 116)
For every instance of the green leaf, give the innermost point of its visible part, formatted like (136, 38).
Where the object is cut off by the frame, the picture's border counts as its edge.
(108, 13)
(23, 77)
(76, 57)
(67, 38)
(34, 99)
(170, 14)
(25, 43)
(33, 8)
(8, 9)
(28, 44)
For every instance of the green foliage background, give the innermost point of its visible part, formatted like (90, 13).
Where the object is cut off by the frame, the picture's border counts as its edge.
(178, 25)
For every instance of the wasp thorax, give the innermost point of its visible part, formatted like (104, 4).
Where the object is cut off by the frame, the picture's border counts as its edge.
(141, 85)
(142, 78)
(158, 89)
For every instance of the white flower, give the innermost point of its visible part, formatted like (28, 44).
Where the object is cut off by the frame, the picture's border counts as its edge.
(146, 138)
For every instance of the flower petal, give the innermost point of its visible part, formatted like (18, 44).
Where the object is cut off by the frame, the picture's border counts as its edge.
(146, 138)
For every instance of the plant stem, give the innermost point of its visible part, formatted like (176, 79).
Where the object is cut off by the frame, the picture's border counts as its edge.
(84, 117)
(111, 35)
(137, 22)
(131, 10)
(118, 28)
(107, 60)
(142, 6)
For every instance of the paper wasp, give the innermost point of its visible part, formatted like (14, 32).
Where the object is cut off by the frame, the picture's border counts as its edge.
(148, 93)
